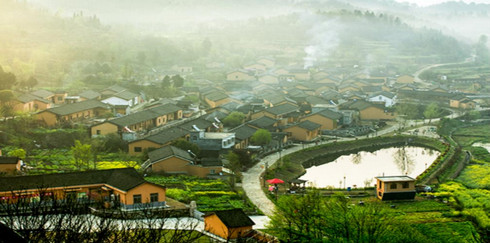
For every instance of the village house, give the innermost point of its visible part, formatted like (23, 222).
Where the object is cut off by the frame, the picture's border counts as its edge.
(240, 75)
(385, 98)
(173, 160)
(395, 187)
(243, 133)
(216, 98)
(139, 121)
(285, 113)
(328, 119)
(267, 61)
(124, 98)
(90, 95)
(216, 141)
(265, 122)
(304, 131)
(30, 103)
(10, 165)
(461, 102)
(109, 91)
(228, 224)
(268, 78)
(73, 112)
(368, 110)
(123, 188)
(44, 94)
(277, 99)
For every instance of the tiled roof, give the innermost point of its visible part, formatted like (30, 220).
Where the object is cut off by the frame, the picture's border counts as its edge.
(263, 122)
(89, 94)
(329, 114)
(126, 95)
(216, 96)
(282, 109)
(244, 131)
(167, 152)
(24, 98)
(308, 125)
(77, 107)
(115, 88)
(233, 218)
(123, 179)
(145, 115)
(167, 135)
(201, 123)
(42, 93)
(383, 93)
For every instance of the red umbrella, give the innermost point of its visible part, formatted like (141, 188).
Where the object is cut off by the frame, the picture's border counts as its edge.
(275, 181)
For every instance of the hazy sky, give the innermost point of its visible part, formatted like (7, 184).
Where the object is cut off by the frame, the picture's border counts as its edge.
(431, 2)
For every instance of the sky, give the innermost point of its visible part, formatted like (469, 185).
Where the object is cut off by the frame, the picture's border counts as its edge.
(424, 3)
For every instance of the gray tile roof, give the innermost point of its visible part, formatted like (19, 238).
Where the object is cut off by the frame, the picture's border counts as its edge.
(263, 122)
(216, 96)
(233, 218)
(145, 115)
(167, 135)
(282, 109)
(24, 98)
(42, 93)
(308, 125)
(77, 107)
(123, 179)
(243, 132)
(8, 160)
(126, 95)
(89, 94)
(329, 114)
(167, 152)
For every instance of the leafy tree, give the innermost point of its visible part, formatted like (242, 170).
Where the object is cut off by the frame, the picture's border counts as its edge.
(178, 81)
(31, 82)
(234, 119)
(20, 153)
(6, 96)
(318, 219)
(261, 137)
(472, 115)
(7, 80)
(82, 153)
(432, 111)
(166, 81)
(409, 111)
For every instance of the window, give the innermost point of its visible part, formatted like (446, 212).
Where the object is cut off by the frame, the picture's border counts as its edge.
(154, 197)
(138, 149)
(379, 185)
(212, 172)
(60, 98)
(98, 132)
(393, 186)
(136, 198)
(405, 184)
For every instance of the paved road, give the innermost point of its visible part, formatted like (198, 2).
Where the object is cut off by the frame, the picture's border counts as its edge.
(252, 182)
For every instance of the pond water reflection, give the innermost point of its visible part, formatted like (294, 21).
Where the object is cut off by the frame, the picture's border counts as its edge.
(359, 170)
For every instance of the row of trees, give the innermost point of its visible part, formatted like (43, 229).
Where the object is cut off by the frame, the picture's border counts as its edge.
(315, 218)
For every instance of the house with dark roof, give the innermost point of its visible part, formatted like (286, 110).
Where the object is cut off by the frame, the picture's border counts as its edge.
(264, 122)
(173, 160)
(116, 187)
(107, 92)
(368, 110)
(240, 75)
(228, 224)
(143, 120)
(216, 98)
(285, 113)
(10, 165)
(462, 102)
(328, 119)
(162, 138)
(277, 99)
(73, 112)
(243, 133)
(90, 95)
(304, 131)
(30, 103)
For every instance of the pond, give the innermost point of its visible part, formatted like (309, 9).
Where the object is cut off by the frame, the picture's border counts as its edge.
(359, 170)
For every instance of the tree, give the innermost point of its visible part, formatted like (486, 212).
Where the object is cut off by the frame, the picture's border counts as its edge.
(31, 82)
(261, 137)
(82, 153)
(432, 111)
(6, 108)
(7, 80)
(234, 119)
(178, 81)
(318, 219)
(20, 153)
(166, 82)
